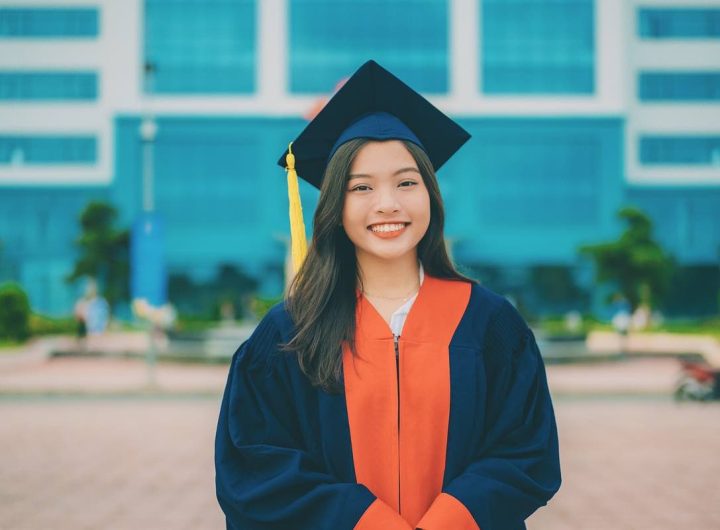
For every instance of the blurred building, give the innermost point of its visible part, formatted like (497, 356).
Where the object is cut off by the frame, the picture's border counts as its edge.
(576, 108)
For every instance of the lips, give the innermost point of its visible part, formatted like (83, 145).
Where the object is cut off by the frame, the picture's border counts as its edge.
(387, 227)
(387, 230)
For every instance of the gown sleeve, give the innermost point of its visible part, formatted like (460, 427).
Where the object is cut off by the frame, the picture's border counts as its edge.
(516, 469)
(265, 478)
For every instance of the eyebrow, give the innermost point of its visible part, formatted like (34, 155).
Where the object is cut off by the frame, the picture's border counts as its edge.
(399, 171)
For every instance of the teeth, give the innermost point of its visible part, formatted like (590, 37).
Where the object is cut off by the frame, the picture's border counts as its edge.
(387, 227)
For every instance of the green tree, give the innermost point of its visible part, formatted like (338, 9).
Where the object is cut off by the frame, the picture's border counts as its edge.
(103, 252)
(635, 263)
(14, 313)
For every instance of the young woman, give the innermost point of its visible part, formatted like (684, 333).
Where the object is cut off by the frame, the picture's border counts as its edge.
(387, 391)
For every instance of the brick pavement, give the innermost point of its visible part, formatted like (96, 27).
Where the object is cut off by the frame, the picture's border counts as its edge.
(109, 375)
(113, 375)
(631, 458)
(130, 464)
(636, 464)
(146, 463)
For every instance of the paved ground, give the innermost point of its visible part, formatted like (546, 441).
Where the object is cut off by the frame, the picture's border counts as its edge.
(146, 463)
(112, 375)
(85, 445)
(636, 464)
(131, 464)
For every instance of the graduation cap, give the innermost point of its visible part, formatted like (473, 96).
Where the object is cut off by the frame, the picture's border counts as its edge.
(373, 104)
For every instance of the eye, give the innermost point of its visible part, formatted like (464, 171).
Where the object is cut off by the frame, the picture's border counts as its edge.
(360, 187)
(408, 183)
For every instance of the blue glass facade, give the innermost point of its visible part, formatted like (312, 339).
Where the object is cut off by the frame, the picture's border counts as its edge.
(200, 46)
(687, 224)
(48, 22)
(410, 38)
(48, 149)
(505, 188)
(38, 226)
(33, 85)
(684, 150)
(686, 219)
(678, 23)
(522, 195)
(679, 86)
(537, 46)
(532, 190)
(520, 198)
(226, 169)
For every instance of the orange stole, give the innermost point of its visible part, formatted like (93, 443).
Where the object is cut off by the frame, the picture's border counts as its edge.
(403, 464)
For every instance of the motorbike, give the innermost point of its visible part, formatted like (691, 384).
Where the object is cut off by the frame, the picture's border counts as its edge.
(698, 381)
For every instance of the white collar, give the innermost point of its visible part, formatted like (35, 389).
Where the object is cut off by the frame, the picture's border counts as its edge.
(397, 319)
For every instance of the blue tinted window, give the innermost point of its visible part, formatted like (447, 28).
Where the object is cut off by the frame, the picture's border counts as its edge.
(224, 201)
(200, 46)
(656, 23)
(685, 219)
(703, 150)
(679, 86)
(537, 46)
(48, 22)
(559, 172)
(48, 85)
(48, 149)
(330, 39)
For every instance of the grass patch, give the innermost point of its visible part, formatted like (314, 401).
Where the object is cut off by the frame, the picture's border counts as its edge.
(556, 327)
(44, 325)
(709, 326)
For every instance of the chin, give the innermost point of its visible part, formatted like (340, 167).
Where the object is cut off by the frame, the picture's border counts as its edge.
(387, 254)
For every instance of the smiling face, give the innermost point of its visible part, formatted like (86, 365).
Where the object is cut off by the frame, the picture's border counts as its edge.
(386, 209)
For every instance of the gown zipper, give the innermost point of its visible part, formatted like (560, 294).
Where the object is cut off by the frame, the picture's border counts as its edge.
(397, 372)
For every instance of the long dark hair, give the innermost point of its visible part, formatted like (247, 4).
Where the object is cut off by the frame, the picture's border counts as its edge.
(322, 297)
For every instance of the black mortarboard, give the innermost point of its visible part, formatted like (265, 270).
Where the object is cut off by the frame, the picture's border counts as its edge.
(375, 104)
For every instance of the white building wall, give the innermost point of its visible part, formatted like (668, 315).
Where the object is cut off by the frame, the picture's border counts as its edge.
(669, 118)
(117, 56)
(114, 55)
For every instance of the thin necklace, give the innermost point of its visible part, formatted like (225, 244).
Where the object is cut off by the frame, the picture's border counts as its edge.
(415, 290)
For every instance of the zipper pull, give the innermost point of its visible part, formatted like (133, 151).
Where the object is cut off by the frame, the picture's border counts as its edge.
(397, 349)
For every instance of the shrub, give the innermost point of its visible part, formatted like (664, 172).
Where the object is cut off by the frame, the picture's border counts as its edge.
(45, 325)
(14, 313)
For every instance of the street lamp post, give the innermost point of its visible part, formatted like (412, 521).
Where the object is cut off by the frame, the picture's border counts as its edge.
(147, 237)
(148, 133)
(715, 157)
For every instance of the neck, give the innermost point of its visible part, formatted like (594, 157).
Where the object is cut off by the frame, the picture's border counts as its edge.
(389, 278)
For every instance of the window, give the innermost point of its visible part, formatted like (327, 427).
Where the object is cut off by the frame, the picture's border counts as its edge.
(694, 150)
(540, 177)
(330, 39)
(48, 150)
(687, 86)
(678, 23)
(200, 46)
(185, 162)
(48, 22)
(48, 85)
(537, 46)
(685, 220)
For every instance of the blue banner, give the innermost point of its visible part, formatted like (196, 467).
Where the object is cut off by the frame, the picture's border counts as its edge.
(148, 274)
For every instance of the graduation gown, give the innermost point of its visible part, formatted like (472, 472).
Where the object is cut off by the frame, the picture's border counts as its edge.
(449, 427)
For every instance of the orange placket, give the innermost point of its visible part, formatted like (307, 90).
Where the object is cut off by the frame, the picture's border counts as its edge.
(398, 414)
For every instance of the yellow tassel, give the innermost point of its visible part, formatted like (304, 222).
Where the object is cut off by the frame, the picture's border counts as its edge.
(297, 225)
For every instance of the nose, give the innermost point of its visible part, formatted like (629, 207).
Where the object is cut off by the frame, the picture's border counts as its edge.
(387, 200)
